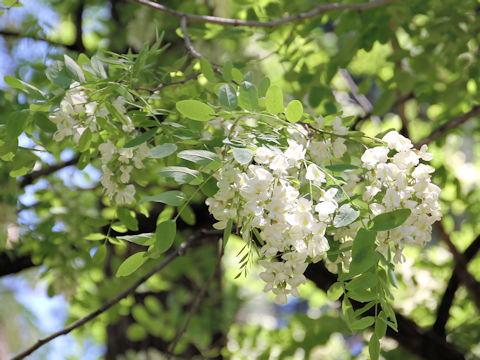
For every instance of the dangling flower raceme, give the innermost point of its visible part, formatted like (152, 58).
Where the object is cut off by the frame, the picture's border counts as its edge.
(294, 224)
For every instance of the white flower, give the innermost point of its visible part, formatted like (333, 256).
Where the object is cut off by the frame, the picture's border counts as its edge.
(422, 153)
(107, 150)
(125, 195)
(339, 148)
(338, 128)
(320, 151)
(397, 141)
(315, 174)
(422, 171)
(295, 152)
(279, 164)
(374, 156)
(263, 155)
(125, 169)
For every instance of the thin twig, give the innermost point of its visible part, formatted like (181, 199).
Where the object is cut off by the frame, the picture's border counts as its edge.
(164, 85)
(449, 125)
(467, 278)
(318, 10)
(34, 175)
(443, 309)
(197, 302)
(14, 34)
(178, 252)
(191, 49)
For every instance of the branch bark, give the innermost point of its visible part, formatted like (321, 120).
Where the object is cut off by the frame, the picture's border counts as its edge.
(465, 276)
(130, 290)
(12, 263)
(443, 310)
(14, 34)
(318, 10)
(449, 125)
(34, 175)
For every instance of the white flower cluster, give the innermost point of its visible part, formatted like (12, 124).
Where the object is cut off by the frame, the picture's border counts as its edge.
(268, 197)
(401, 181)
(76, 114)
(264, 197)
(116, 168)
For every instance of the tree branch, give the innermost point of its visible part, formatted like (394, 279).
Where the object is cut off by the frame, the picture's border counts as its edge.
(164, 85)
(443, 310)
(8, 33)
(11, 263)
(318, 10)
(422, 342)
(470, 282)
(449, 125)
(34, 175)
(178, 252)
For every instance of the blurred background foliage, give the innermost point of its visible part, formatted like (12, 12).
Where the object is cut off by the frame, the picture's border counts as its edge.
(410, 65)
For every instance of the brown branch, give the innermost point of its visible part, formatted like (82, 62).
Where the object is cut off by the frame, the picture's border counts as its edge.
(11, 262)
(34, 175)
(191, 49)
(422, 342)
(449, 125)
(178, 252)
(9, 7)
(465, 276)
(443, 310)
(318, 10)
(9, 33)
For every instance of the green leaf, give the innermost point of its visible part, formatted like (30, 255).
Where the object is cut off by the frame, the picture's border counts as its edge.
(362, 295)
(99, 254)
(85, 140)
(57, 74)
(210, 187)
(274, 100)
(335, 291)
(161, 151)
(345, 215)
(95, 237)
(242, 155)
(363, 323)
(145, 239)
(200, 157)
(132, 263)
(180, 174)
(75, 71)
(248, 98)
(173, 198)
(248, 77)
(237, 75)
(374, 347)
(206, 69)
(141, 138)
(24, 86)
(384, 102)
(364, 255)
(227, 231)
(390, 220)
(127, 218)
(228, 97)
(381, 325)
(363, 282)
(195, 110)
(16, 123)
(294, 111)
(164, 235)
(188, 216)
(227, 71)
(263, 86)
